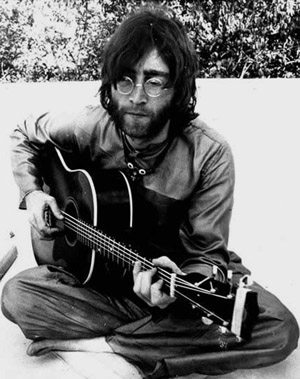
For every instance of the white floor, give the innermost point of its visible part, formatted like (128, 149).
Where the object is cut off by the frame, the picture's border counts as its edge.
(15, 364)
(260, 119)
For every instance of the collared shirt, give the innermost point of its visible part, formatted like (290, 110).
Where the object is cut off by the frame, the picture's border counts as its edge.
(186, 194)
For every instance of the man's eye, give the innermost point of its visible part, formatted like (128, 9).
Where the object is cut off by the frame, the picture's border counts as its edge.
(154, 82)
(125, 79)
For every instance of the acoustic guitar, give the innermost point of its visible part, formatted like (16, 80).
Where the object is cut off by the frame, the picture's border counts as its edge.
(85, 202)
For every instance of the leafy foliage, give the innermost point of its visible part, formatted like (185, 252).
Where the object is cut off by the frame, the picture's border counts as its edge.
(64, 40)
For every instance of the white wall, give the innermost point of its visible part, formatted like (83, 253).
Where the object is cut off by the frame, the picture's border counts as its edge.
(260, 119)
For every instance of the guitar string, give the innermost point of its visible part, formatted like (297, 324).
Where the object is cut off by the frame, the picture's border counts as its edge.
(74, 225)
(113, 246)
(115, 253)
(110, 243)
(116, 246)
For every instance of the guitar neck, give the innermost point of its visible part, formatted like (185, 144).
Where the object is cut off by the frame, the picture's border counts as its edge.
(116, 251)
(105, 245)
(208, 289)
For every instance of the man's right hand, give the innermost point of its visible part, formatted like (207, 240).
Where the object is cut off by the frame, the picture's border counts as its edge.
(38, 203)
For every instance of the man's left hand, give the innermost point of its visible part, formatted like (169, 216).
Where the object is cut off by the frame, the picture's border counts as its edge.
(151, 292)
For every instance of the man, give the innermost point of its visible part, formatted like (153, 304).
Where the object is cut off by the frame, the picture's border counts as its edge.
(183, 175)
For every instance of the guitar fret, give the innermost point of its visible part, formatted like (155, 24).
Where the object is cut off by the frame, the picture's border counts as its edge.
(117, 252)
(110, 251)
(121, 257)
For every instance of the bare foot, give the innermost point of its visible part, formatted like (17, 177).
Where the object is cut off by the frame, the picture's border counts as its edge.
(38, 348)
(95, 345)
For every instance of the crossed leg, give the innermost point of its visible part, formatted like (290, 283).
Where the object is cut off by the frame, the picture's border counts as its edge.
(57, 313)
(94, 345)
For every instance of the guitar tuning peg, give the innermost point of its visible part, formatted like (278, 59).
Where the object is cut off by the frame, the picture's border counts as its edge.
(214, 271)
(246, 281)
(229, 279)
(229, 275)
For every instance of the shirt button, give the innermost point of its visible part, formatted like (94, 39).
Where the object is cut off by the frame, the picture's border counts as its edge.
(142, 171)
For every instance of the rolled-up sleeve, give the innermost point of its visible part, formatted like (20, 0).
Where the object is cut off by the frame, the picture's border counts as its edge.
(27, 141)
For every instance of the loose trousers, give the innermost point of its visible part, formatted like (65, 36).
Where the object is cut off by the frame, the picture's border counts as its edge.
(48, 302)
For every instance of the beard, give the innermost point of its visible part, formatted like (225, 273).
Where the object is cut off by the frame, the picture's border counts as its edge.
(139, 122)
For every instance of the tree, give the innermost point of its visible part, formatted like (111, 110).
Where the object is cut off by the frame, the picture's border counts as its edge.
(64, 40)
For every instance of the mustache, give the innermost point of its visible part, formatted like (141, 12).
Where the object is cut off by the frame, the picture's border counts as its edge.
(135, 110)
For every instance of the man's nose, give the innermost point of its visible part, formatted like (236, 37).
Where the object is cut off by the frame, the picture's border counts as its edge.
(138, 94)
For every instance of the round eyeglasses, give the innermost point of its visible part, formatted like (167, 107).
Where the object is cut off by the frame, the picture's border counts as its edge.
(153, 87)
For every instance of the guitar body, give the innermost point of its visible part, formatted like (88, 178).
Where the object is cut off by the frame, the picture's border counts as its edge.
(93, 245)
(76, 194)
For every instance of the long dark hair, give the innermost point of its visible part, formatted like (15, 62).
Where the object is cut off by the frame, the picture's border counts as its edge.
(136, 36)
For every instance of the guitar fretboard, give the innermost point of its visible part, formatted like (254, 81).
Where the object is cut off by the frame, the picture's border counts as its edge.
(119, 253)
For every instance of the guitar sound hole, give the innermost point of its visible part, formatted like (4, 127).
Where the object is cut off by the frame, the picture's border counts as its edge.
(71, 221)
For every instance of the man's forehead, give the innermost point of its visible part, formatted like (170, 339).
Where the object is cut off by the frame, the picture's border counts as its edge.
(152, 64)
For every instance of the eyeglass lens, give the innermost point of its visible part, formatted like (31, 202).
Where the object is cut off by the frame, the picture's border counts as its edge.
(153, 86)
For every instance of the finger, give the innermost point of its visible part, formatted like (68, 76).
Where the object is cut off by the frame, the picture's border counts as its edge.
(40, 218)
(142, 283)
(43, 227)
(166, 262)
(159, 298)
(136, 269)
(44, 230)
(157, 286)
(50, 232)
(37, 223)
(137, 290)
(165, 301)
(146, 282)
(46, 222)
(137, 283)
(55, 209)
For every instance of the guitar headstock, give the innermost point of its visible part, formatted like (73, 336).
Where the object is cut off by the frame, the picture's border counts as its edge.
(231, 306)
